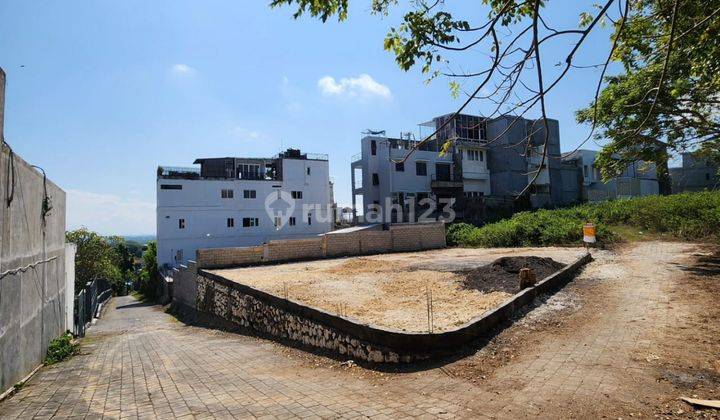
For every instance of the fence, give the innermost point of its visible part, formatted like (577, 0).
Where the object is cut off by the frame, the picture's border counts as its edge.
(88, 303)
(398, 238)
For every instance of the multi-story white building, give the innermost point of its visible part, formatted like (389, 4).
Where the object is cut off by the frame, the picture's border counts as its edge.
(489, 161)
(228, 202)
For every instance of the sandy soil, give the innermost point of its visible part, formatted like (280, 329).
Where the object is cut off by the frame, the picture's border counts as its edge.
(635, 332)
(392, 290)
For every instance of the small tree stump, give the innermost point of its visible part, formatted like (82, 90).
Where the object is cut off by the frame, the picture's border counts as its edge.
(527, 278)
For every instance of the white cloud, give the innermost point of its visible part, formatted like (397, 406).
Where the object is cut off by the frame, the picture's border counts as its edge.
(182, 70)
(245, 134)
(110, 214)
(362, 86)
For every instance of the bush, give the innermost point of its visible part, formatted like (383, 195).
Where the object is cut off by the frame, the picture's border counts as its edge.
(687, 216)
(457, 233)
(60, 349)
(149, 276)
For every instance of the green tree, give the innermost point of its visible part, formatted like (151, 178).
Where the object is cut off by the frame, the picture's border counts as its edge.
(122, 257)
(134, 248)
(664, 98)
(149, 276)
(95, 258)
(667, 97)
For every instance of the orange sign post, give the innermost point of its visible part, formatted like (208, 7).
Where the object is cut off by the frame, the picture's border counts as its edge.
(589, 233)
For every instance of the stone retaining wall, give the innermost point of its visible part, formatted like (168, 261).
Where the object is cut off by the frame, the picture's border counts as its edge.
(240, 306)
(398, 238)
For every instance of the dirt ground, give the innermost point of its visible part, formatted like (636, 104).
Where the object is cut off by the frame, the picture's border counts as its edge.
(635, 332)
(392, 290)
(639, 329)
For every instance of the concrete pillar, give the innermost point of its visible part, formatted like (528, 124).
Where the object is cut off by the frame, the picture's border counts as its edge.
(352, 188)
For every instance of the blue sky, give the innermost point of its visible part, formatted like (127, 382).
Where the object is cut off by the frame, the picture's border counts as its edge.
(100, 93)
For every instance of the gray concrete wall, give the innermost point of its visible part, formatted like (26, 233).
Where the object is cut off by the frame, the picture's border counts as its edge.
(32, 301)
(694, 175)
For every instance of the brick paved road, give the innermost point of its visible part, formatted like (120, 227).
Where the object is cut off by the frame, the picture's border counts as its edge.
(140, 362)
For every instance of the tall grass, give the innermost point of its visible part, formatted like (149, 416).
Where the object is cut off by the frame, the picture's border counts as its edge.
(686, 216)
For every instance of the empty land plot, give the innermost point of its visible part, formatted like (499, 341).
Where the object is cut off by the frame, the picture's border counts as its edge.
(391, 290)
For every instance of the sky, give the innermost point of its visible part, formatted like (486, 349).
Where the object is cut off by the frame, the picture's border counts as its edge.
(99, 93)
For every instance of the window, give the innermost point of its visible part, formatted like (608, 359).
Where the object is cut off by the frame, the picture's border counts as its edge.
(585, 170)
(297, 195)
(226, 193)
(250, 171)
(230, 222)
(277, 222)
(170, 187)
(373, 147)
(292, 221)
(474, 155)
(308, 170)
(179, 256)
(249, 194)
(181, 223)
(400, 166)
(376, 179)
(309, 219)
(473, 194)
(250, 221)
(421, 168)
(707, 177)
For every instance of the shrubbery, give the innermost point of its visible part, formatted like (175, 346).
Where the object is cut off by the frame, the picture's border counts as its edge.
(686, 216)
(60, 349)
(149, 276)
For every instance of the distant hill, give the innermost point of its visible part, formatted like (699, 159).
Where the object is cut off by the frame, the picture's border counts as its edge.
(142, 239)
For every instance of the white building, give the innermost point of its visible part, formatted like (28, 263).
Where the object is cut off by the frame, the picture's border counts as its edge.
(230, 202)
(488, 163)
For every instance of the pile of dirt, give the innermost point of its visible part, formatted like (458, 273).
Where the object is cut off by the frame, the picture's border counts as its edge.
(361, 265)
(502, 274)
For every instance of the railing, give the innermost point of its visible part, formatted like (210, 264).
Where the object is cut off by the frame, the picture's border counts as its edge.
(442, 177)
(402, 144)
(178, 172)
(356, 157)
(309, 156)
(253, 176)
(317, 156)
(87, 302)
(79, 319)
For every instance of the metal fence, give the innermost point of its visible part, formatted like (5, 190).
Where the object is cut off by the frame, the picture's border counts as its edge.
(87, 303)
(79, 315)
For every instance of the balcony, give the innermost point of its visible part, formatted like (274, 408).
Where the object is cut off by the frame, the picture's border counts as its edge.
(356, 157)
(482, 174)
(295, 154)
(176, 172)
(444, 181)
